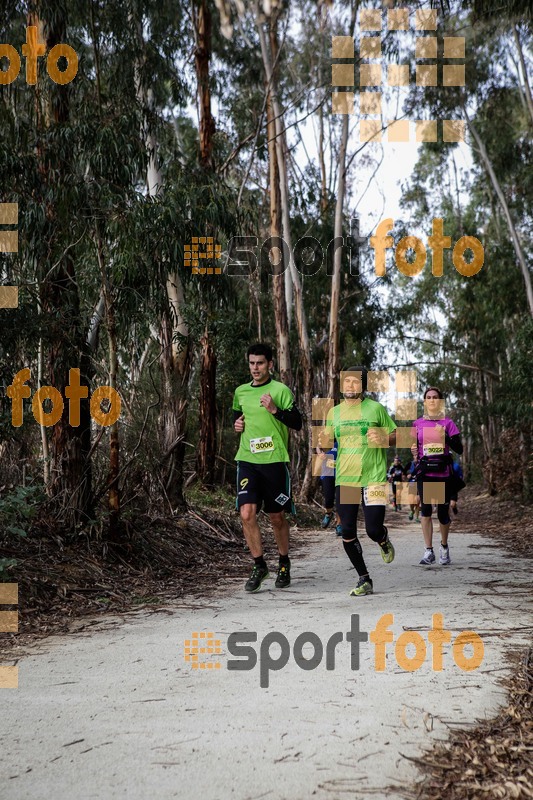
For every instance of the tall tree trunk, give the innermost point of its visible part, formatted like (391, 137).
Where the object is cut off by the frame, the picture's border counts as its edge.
(306, 365)
(322, 164)
(70, 467)
(503, 202)
(205, 465)
(527, 87)
(113, 498)
(255, 303)
(278, 280)
(322, 22)
(175, 362)
(333, 341)
(202, 56)
(44, 435)
(274, 50)
(174, 330)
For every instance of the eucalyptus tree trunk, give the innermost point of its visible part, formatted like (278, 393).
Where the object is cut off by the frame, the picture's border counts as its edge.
(44, 436)
(174, 331)
(306, 366)
(113, 497)
(333, 341)
(525, 77)
(322, 163)
(274, 50)
(202, 57)
(507, 213)
(206, 457)
(322, 23)
(70, 481)
(207, 445)
(278, 280)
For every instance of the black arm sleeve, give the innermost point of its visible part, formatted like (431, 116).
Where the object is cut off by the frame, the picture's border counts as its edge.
(455, 443)
(291, 417)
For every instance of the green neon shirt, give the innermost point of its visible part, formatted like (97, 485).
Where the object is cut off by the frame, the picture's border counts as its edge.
(357, 463)
(261, 424)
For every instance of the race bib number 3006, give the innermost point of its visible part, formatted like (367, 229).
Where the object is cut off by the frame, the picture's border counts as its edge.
(263, 445)
(375, 494)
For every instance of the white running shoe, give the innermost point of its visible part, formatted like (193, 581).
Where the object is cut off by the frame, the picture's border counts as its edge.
(444, 555)
(429, 557)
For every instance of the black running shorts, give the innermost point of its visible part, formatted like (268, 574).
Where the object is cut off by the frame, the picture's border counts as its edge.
(267, 485)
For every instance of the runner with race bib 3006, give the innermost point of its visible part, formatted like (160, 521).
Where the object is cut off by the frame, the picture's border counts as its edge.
(263, 412)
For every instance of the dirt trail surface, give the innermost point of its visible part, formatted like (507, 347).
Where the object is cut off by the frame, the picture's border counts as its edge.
(115, 711)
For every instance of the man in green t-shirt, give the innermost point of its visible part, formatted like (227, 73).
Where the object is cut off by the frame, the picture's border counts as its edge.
(263, 412)
(363, 431)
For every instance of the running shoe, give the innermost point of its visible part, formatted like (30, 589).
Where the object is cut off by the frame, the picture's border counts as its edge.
(444, 555)
(411, 515)
(387, 550)
(418, 520)
(325, 522)
(429, 557)
(338, 530)
(364, 586)
(257, 576)
(284, 576)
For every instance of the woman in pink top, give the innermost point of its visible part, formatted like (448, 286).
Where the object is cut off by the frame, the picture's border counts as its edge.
(435, 435)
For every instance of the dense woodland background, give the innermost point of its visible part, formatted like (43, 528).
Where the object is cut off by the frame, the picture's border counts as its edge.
(185, 120)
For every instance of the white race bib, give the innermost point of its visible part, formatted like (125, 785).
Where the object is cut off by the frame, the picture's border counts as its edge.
(330, 463)
(375, 494)
(434, 449)
(263, 445)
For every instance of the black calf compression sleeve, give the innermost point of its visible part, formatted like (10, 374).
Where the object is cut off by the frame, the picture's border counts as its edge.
(354, 552)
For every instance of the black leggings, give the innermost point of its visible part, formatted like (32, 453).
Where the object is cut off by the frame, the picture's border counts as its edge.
(328, 487)
(443, 509)
(374, 518)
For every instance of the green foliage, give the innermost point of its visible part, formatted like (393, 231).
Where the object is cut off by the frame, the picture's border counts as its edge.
(18, 509)
(80, 180)
(6, 564)
(513, 399)
(216, 499)
(473, 335)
